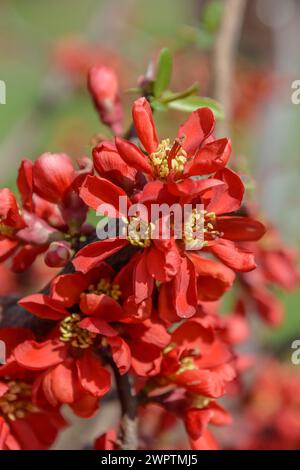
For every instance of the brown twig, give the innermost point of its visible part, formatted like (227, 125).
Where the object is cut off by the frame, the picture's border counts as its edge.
(128, 431)
(224, 57)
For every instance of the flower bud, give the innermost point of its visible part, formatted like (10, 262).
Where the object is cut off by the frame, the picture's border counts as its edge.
(58, 254)
(104, 88)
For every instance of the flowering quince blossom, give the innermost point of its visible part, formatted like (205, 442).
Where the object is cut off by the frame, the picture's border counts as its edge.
(138, 311)
(167, 260)
(51, 216)
(25, 423)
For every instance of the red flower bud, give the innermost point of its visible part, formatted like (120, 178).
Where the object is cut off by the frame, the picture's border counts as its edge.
(58, 254)
(104, 88)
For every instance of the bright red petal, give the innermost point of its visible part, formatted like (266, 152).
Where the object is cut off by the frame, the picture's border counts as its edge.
(133, 156)
(144, 124)
(240, 228)
(199, 125)
(97, 191)
(94, 378)
(35, 356)
(210, 158)
(89, 256)
(43, 306)
(232, 256)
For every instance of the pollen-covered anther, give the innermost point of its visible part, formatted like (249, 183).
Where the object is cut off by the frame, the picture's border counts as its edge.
(5, 230)
(168, 157)
(186, 363)
(139, 232)
(16, 403)
(199, 229)
(200, 401)
(104, 286)
(70, 332)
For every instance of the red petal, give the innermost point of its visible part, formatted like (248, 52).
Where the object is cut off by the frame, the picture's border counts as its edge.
(210, 158)
(199, 125)
(110, 165)
(43, 306)
(184, 290)
(9, 211)
(98, 326)
(59, 384)
(101, 306)
(133, 156)
(94, 378)
(223, 200)
(33, 355)
(146, 361)
(121, 354)
(7, 247)
(191, 188)
(143, 281)
(163, 260)
(4, 433)
(144, 124)
(67, 288)
(53, 175)
(97, 191)
(240, 228)
(89, 256)
(25, 183)
(213, 277)
(232, 256)
(196, 421)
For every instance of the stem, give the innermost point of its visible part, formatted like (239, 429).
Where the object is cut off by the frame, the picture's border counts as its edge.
(224, 57)
(128, 432)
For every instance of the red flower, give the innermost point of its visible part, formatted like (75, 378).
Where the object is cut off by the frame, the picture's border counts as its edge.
(198, 360)
(51, 208)
(24, 422)
(194, 152)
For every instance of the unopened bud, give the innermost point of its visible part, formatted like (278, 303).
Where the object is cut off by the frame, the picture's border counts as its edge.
(58, 254)
(104, 88)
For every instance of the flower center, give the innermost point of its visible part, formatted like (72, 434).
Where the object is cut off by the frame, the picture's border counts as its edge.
(16, 402)
(5, 230)
(168, 157)
(104, 286)
(139, 232)
(199, 229)
(71, 332)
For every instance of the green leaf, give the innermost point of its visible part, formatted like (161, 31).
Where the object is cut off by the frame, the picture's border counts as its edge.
(163, 72)
(170, 96)
(191, 103)
(158, 106)
(212, 15)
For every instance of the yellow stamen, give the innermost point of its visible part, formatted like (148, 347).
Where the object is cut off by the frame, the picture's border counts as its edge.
(159, 159)
(71, 332)
(16, 402)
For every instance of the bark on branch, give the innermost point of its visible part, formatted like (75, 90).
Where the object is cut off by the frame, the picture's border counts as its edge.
(224, 57)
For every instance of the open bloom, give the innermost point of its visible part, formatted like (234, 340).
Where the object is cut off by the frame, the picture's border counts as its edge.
(24, 423)
(181, 261)
(90, 322)
(194, 152)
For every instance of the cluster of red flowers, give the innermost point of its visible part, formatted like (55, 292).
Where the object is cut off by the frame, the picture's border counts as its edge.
(268, 416)
(152, 316)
